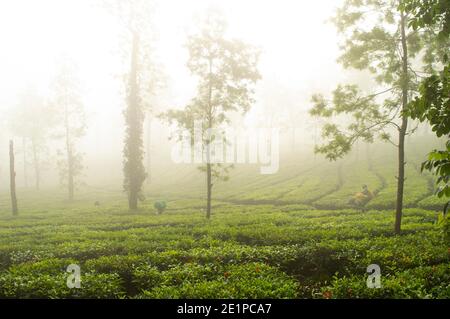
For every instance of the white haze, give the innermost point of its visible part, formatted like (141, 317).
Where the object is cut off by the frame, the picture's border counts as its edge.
(299, 51)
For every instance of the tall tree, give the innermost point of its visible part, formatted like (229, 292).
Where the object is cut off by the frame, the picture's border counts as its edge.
(69, 113)
(136, 18)
(226, 71)
(377, 38)
(134, 117)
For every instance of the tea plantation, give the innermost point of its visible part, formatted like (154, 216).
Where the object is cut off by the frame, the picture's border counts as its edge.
(259, 251)
(287, 235)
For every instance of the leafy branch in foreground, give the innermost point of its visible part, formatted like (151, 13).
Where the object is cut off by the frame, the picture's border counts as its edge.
(433, 103)
(368, 119)
(433, 106)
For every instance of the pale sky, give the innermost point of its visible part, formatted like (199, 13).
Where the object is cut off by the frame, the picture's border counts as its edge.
(299, 50)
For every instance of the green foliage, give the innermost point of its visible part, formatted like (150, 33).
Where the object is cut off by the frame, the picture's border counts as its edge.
(298, 247)
(444, 222)
(160, 206)
(416, 188)
(133, 167)
(439, 163)
(433, 103)
(251, 251)
(432, 202)
(377, 39)
(374, 47)
(227, 72)
(429, 13)
(95, 286)
(236, 281)
(354, 175)
(422, 282)
(147, 277)
(368, 120)
(433, 106)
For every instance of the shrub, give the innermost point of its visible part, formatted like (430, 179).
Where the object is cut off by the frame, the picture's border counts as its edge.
(146, 277)
(160, 206)
(55, 286)
(254, 281)
(420, 282)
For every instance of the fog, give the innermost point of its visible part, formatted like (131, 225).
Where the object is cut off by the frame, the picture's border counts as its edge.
(299, 48)
(229, 149)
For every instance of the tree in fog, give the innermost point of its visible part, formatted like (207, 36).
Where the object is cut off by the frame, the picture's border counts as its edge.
(69, 114)
(140, 82)
(226, 72)
(31, 120)
(378, 39)
(433, 102)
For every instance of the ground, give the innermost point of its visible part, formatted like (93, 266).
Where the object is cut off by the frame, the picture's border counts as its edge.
(290, 235)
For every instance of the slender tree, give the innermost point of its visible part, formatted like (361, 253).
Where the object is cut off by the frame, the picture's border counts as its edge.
(141, 82)
(69, 112)
(377, 38)
(134, 117)
(227, 71)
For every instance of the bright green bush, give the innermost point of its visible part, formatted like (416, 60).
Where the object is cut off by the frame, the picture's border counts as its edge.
(55, 286)
(297, 251)
(420, 282)
(252, 281)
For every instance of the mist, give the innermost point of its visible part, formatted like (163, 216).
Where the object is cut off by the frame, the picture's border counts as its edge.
(289, 34)
(224, 149)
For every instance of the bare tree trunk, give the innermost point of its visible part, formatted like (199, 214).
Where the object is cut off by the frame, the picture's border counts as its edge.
(12, 176)
(402, 132)
(401, 175)
(37, 173)
(25, 173)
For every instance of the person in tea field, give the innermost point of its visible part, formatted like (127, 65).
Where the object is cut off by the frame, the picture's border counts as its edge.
(360, 199)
